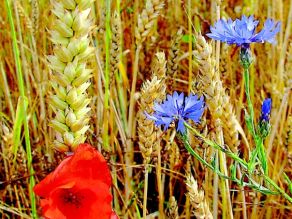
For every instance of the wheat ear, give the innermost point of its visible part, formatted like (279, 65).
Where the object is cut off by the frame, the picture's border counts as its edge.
(70, 74)
(288, 139)
(149, 135)
(172, 64)
(288, 67)
(197, 198)
(35, 15)
(115, 45)
(146, 22)
(173, 208)
(27, 21)
(213, 89)
(152, 90)
(147, 19)
(218, 101)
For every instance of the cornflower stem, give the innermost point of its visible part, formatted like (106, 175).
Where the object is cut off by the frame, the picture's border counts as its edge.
(199, 158)
(289, 182)
(249, 103)
(217, 146)
(23, 101)
(252, 184)
(281, 191)
(260, 150)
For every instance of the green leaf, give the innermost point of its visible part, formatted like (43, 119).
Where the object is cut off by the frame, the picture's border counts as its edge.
(186, 38)
(248, 121)
(22, 104)
(233, 172)
(129, 10)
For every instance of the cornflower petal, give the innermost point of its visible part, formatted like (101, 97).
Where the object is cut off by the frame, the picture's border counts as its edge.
(242, 31)
(266, 110)
(180, 126)
(196, 115)
(192, 103)
(178, 109)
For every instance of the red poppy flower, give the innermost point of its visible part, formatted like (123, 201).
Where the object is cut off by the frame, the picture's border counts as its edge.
(79, 188)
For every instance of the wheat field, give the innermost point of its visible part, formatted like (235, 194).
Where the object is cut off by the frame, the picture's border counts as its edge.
(74, 71)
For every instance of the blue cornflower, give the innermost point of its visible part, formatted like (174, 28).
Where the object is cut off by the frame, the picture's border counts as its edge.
(264, 123)
(177, 109)
(266, 110)
(242, 32)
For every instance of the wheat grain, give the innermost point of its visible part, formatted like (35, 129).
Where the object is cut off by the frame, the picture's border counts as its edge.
(35, 15)
(159, 66)
(27, 22)
(147, 19)
(173, 208)
(288, 139)
(152, 90)
(172, 64)
(115, 45)
(218, 101)
(70, 74)
(197, 198)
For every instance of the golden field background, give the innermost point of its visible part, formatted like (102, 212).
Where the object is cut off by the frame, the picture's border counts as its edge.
(137, 34)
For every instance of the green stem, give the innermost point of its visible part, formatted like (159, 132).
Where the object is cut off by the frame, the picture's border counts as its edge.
(281, 191)
(249, 103)
(251, 184)
(236, 158)
(105, 135)
(260, 150)
(25, 121)
(199, 158)
(218, 147)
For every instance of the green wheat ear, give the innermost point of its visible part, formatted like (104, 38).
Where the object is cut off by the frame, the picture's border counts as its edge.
(70, 77)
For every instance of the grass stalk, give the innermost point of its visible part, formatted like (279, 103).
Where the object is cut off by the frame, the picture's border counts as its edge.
(105, 135)
(7, 91)
(190, 46)
(159, 183)
(145, 191)
(129, 146)
(25, 121)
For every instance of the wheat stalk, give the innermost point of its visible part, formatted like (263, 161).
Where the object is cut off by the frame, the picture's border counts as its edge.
(146, 22)
(148, 134)
(70, 74)
(288, 140)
